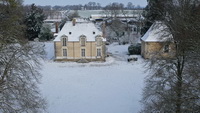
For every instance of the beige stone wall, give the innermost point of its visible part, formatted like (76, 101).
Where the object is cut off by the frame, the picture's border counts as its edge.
(143, 48)
(57, 46)
(74, 51)
(156, 49)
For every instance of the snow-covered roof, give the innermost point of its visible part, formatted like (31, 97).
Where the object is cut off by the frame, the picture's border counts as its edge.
(158, 32)
(52, 20)
(80, 28)
(96, 16)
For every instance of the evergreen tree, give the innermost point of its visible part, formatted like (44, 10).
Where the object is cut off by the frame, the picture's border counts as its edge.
(34, 18)
(154, 11)
(10, 21)
(46, 33)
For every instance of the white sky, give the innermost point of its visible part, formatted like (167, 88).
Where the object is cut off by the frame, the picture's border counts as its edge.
(76, 2)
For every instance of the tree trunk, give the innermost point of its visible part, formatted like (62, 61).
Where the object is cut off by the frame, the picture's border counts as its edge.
(180, 65)
(179, 94)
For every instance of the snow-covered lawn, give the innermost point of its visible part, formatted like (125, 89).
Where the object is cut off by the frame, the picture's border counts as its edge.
(114, 86)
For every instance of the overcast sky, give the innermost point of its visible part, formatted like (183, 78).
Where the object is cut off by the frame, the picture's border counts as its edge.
(76, 2)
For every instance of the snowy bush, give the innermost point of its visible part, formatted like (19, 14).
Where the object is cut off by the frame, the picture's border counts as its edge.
(135, 49)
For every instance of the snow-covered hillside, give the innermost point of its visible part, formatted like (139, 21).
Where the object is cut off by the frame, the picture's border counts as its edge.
(114, 86)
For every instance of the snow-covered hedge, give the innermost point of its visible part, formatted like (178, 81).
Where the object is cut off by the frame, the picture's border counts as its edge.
(135, 49)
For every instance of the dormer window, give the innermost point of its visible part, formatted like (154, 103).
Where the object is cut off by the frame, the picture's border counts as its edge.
(64, 40)
(82, 40)
(99, 41)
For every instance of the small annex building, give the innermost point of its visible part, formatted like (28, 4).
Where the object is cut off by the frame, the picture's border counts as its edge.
(80, 41)
(157, 42)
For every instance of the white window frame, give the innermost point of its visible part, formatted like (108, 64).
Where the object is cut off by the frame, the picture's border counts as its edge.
(83, 52)
(64, 51)
(82, 40)
(99, 52)
(99, 41)
(64, 40)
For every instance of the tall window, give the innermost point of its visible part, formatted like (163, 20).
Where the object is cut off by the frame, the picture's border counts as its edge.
(64, 41)
(98, 52)
(166, 48)
(65, 52)
(82, 41)
(99, 41)
(83, 52)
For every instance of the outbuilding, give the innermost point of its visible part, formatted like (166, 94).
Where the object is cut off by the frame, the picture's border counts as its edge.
(157, 42)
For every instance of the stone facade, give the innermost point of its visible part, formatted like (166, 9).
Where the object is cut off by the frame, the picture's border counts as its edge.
(158, 42)
(157, 50)
(74, 51)
(80, 41)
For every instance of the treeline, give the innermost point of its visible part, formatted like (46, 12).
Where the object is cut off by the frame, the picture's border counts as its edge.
(90, 6)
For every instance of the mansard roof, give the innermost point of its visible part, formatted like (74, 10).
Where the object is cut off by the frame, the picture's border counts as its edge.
(73, 32)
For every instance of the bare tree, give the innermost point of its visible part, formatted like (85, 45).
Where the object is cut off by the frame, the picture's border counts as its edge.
(98, 6)
(173, 84)
(73, 14)
(90, 5)
(119, 19)
(19, 77)
(118, 28)
(112, 10)
(130, 5)
(19, 64)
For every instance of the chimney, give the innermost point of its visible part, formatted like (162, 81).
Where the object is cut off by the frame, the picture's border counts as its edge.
(74, 22)
(104, 30)
(56, 25)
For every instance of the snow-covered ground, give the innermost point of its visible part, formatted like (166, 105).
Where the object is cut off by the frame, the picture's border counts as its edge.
(114, 86)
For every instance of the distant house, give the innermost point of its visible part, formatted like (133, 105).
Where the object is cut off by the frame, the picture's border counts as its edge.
(80, 41)
(157, 42)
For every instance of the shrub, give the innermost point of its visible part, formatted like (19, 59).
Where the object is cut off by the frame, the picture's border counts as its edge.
(135, 49)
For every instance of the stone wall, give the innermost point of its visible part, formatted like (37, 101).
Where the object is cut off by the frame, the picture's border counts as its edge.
(74, 51)
(156, 49)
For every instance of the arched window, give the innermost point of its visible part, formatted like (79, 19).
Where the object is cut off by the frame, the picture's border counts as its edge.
(64, 40)
(99, 41)
(82, 40)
